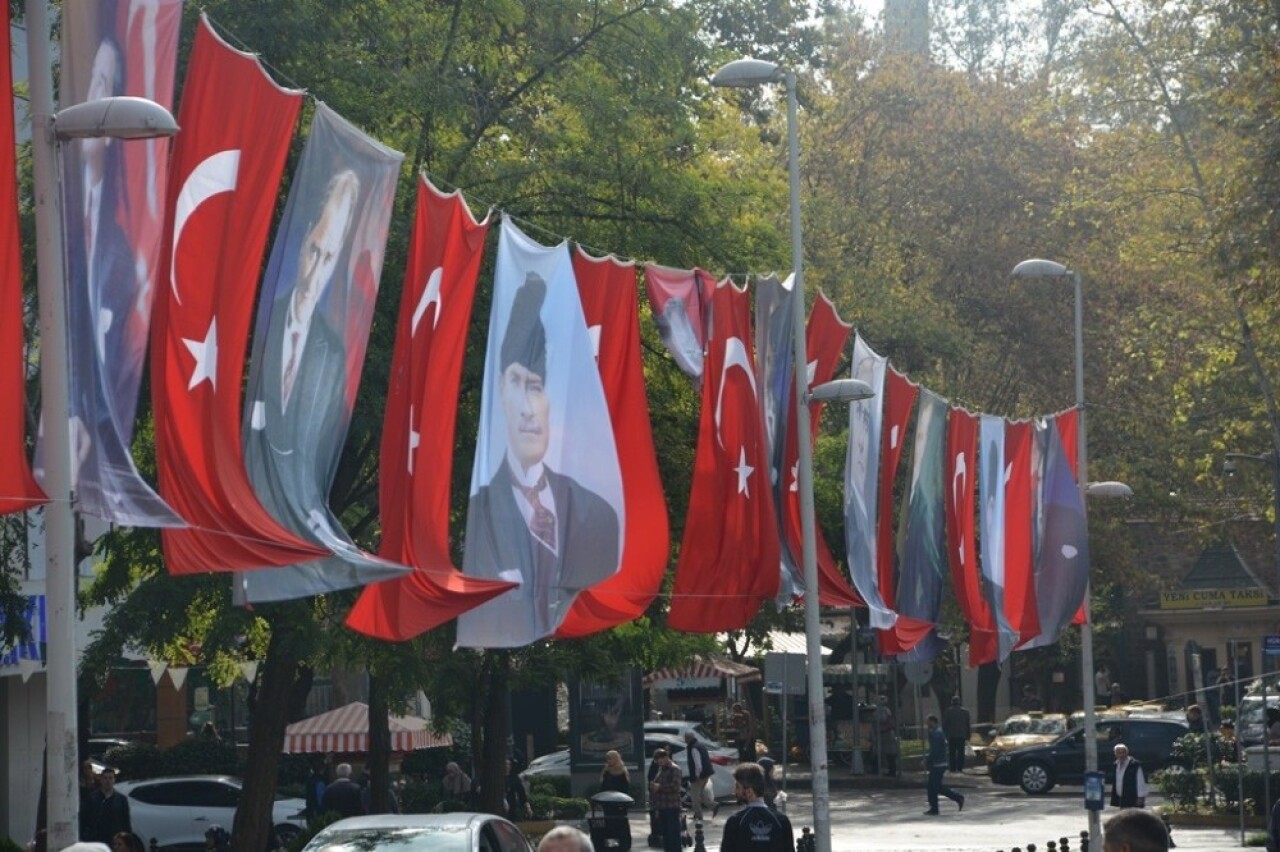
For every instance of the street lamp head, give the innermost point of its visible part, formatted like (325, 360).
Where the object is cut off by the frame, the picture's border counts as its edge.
(841, 390)
(745, 73)
(1037, 268)
(122, 117)
(1108, 489)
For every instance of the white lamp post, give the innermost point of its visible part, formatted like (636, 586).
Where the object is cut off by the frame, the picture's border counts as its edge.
(747, 73)
(1051, 269)
(120, 118)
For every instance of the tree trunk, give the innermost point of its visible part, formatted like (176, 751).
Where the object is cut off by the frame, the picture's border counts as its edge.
(497, 729)
(253, 822)
(379, 749)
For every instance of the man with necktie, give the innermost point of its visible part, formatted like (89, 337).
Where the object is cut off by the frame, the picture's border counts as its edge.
(532, 525)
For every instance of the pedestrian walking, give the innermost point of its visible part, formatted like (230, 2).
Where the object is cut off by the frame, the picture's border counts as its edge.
(936, 762)
(343, 795)
(957, 727)
(744, 726)
(515, 796)
(699, 771)
(110, 809)
(757, 827)
(664, 795)
(1129, 789)
(457, 784)
(886, 738)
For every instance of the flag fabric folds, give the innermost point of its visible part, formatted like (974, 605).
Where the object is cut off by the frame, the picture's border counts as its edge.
(825, 338)
(111, 220)
(962, 553)
(547, 506)
(224, 172)
(1019, 508)
(774, 307)
(899, 401)
(607, 289)
(922, 540)
(729, 555)
(18, 488)
(415, 463)
(991, 494)
(680, 299)
(1062, 566)
(309, 343)
(862, 483)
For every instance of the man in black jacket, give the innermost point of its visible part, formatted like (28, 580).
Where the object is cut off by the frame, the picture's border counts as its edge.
(1129, 789)
(957, 727)
(343, 795)
(110, 809)
(755, 828)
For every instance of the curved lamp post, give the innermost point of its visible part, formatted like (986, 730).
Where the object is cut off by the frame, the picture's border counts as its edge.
(118, 118)
(749, 73)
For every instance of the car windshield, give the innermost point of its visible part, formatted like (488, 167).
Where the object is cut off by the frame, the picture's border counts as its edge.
(1047, 726)
(1016, 726)
(417, 839)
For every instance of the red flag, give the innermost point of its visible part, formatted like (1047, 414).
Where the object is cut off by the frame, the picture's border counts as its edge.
(1068, 427)
(1019, 564)
(416, 461)
(730, 552)
(899, 399)
(606, 288)
(679, 299)
(18, 488)
(825, 340)
(226, 166)
(962, 458)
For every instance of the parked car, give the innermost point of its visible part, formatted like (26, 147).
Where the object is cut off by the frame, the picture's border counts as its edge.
(1024, 729)
(99, 746)
(178, 811)
(1037, 769)
(456, 832)
(557, 763)
(678, 728)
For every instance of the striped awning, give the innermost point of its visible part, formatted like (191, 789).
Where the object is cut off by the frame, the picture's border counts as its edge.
(346, 729)
(699, 668)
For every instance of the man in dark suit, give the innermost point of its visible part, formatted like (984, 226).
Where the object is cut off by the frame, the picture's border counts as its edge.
(530, 524)
(110, 809)
(297, 417)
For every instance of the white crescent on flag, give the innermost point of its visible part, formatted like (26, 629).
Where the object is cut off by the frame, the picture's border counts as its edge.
(430, 294)
(959, 481)
(215, 175)
(735, 355)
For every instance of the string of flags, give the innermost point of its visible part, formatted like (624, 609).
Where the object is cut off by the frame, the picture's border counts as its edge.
(567, 530)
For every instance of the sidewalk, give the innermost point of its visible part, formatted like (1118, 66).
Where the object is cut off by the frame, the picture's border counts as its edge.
(799, 776)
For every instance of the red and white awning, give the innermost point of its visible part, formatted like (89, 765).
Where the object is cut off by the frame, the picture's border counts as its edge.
(346, 729)
(700, 668)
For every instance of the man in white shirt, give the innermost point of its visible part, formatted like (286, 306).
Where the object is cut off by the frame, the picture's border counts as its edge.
(1129, 790)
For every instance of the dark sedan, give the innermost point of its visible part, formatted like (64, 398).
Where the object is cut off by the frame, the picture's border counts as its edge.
(1037, 769)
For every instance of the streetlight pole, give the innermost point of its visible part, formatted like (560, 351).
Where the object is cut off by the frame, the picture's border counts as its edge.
(1273, 461)
(121, 118)
(1050, 269)
(746, 73)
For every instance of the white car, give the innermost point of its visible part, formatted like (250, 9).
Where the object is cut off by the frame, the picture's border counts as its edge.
(721, 786)
(178, 811)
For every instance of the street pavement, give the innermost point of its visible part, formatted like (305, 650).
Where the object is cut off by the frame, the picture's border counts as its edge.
(867, 819)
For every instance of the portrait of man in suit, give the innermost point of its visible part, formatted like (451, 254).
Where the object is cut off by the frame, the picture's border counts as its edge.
(531, 524)
(298, 417)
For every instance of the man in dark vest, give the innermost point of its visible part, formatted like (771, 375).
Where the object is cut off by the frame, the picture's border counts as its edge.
(1129, 790)
(699, 772)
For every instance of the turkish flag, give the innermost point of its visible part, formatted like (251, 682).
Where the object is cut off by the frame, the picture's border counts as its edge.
(730, 553)
(416, 459)
(825, 340)
(1019, 561)
(1068, 423)
(226, 166)
(680, 299)
(607, 287)
(960, 507)
(18, 488)
(899, 399)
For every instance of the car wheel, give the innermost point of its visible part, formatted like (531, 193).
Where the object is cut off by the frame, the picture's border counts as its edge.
(1035, 778)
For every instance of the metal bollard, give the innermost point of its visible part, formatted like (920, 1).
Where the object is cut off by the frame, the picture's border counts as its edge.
(806, 841)
(1064, 844)
(1053, 847)
(698, 845)
(1084, 841)
(155, 845)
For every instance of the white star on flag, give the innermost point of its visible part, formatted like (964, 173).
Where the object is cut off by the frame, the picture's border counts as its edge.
(744, 471)
(415, 438)
(206, 354)
(810, 370)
